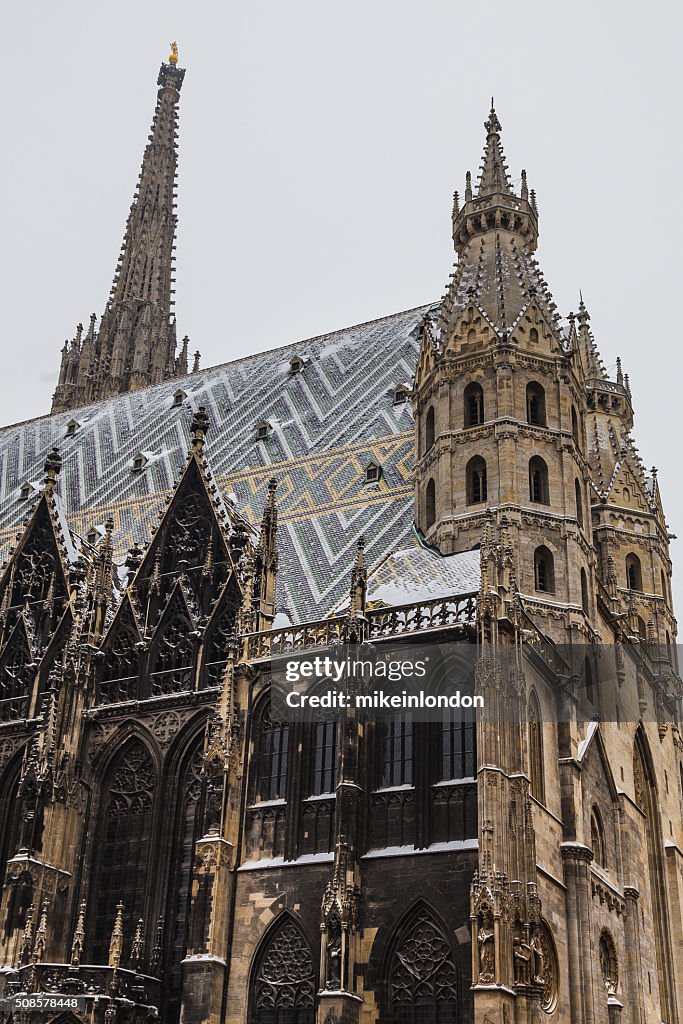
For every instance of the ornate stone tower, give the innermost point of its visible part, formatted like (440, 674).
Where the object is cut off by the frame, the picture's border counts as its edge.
(501, 405)
(135, 343)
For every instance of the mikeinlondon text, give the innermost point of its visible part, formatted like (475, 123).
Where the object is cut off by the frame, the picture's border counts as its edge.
(380, 699)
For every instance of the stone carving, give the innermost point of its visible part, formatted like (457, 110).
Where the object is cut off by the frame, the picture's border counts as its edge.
(522, 954)
(485, 939)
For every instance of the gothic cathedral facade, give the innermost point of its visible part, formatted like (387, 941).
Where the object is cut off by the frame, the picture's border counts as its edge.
(172, 848)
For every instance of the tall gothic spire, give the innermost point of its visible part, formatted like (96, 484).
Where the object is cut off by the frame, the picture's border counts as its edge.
(135, 343)
(493, 175)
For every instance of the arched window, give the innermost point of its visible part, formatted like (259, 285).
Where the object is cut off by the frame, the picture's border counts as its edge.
(283, 982)
(665, 591)
(9, 813)
(575, 426)
(579, 504)
(642, 628)
(324, 760)
(395, 750)
(475, 476)
(645, 792)
(536, 768)
(535, 404)
(544, 570)
(634, 575)
(429, 429)
(430, 504)
(538, 481)
(272, 747)
(474, 405)
(533, 335)
(423, 977)
(584, 591)
(597, 838)
(458, 749)
(123, 847)
(187, 832)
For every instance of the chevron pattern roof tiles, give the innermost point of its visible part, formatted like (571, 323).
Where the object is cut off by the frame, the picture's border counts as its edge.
(327, 422)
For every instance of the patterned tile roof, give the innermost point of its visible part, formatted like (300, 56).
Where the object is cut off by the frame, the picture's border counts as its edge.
(326, 423)
(416, 573)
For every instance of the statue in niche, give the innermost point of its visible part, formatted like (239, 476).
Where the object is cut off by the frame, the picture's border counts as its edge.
(334, 955)
(487, 957)
(538, 959)
(522, 954)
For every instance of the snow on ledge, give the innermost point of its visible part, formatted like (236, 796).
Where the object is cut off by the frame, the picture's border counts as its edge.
(407, 851)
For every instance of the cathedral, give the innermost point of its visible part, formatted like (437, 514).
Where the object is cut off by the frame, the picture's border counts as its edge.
(462, 475)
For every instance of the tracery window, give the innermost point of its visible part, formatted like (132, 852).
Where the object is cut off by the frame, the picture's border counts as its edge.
(271, 761)
(283, 981)
(122, 847)
(551, 973)
(16, 675)
(9, 815)
(324, 777)
(457, 749)
(37, 578)
(395, 751)
(218, 634)
(188, 830)
(423, 978)
(119, 681)
(172, 666)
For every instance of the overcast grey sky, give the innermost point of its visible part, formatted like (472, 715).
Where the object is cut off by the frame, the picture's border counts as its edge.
(319, 149)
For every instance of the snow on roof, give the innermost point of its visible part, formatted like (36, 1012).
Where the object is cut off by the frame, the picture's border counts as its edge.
(331, 421)
(418, 574)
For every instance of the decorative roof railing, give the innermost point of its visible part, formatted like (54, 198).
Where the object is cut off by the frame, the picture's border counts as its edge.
(440, 613)
(382, 624)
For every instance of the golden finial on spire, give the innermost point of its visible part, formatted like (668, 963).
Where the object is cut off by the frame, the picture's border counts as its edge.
(173, 59)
